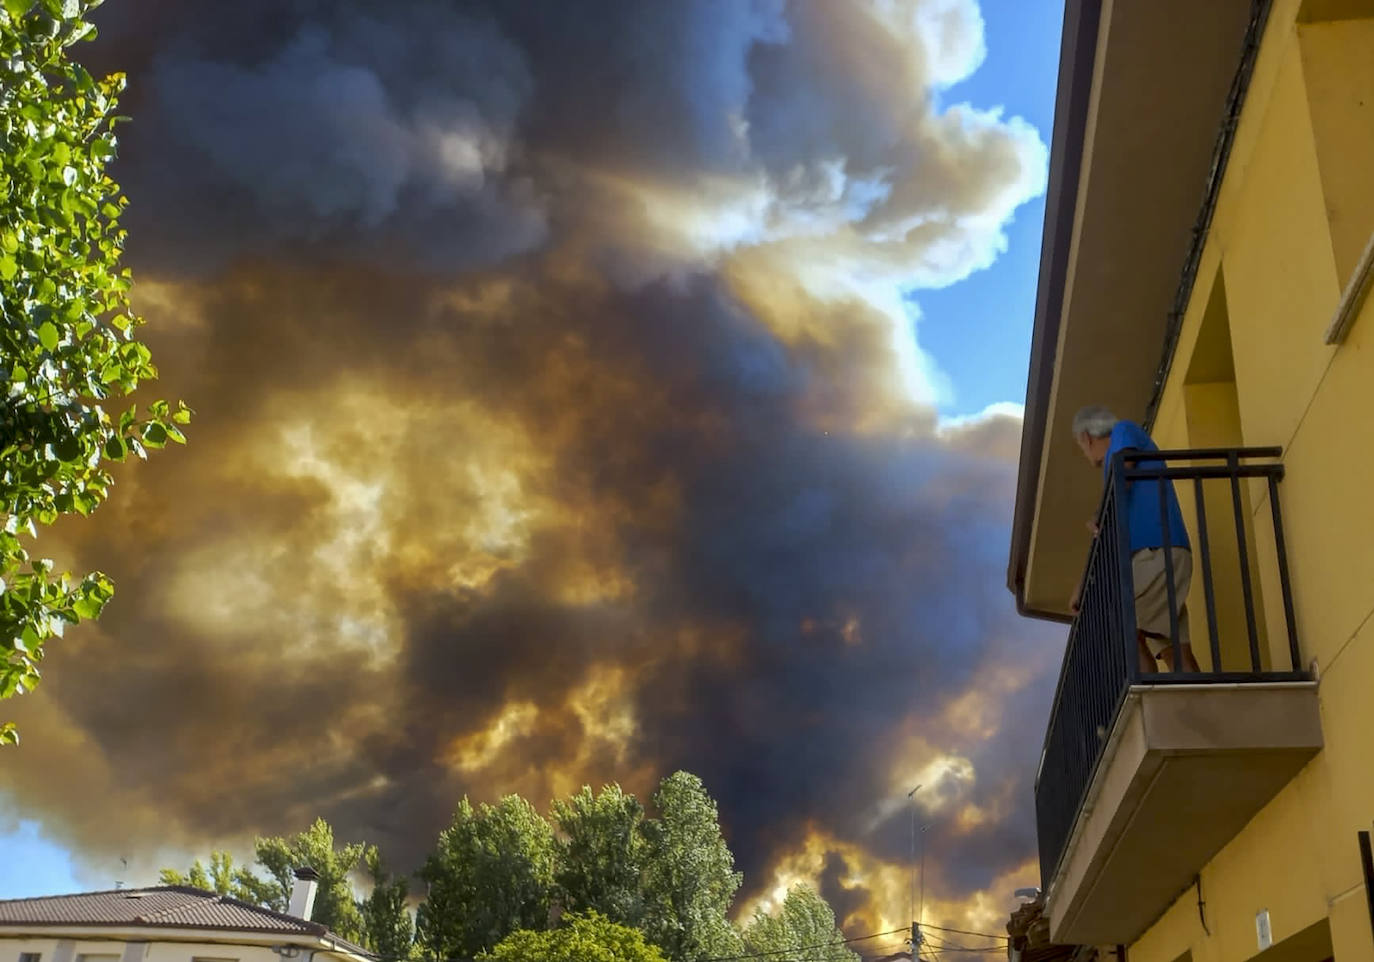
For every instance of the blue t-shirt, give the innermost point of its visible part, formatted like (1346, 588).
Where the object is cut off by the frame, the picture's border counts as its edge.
(1142, 514)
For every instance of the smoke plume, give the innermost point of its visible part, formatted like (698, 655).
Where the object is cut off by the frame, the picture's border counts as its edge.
(560, 420)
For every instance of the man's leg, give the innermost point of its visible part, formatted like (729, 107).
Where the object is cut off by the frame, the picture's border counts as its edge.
(1183, 576)
(1189, 661)
(1148, 665)
(1152, 608)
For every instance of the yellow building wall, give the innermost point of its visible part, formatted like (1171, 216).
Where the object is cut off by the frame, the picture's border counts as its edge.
(1294, 212)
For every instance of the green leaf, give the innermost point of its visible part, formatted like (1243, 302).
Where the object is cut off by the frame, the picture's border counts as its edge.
(67, 321)
(68, 448)
(89, 605)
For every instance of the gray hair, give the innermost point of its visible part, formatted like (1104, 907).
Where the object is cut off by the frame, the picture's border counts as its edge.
(1095, 421)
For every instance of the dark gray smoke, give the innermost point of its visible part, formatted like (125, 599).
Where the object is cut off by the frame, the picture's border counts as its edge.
(555, 426)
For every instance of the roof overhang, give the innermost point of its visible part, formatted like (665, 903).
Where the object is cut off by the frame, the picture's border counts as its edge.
(1142, 91)
(120, 932)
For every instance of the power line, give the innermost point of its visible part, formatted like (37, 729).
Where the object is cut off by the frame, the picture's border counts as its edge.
(888, 953)
(801, 948)
(941, 940)
(945, 946)
(992, 949)
(981, 935)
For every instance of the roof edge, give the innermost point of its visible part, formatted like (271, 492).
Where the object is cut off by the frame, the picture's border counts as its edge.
(171, 932)
(228, 935)
(1077, 57)
(156, 920)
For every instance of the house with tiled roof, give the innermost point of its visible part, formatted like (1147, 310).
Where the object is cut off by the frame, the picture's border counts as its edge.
(168, 923)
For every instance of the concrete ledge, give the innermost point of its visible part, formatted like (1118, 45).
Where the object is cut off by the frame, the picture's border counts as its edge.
(1184, 769)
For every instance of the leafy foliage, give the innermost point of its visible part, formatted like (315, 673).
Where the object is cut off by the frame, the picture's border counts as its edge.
(804, 927)
(66, 328)
(690, 877)
(601, 854)
(388, 929)
(221, 877)
(501, 870)
(334, 903)
(279, 857)
(599, 880)
(490, 875)
(582, 938)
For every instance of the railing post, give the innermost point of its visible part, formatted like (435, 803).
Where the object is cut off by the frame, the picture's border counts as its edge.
(1122, 543)
(1170, 592)
(1285, 587)
(1208, 591)
(1233, 464)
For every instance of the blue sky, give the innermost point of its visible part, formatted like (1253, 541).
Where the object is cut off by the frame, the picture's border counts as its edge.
(31, 865)
(977, 331)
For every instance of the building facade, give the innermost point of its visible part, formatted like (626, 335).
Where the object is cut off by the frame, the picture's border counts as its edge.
(1206, 273)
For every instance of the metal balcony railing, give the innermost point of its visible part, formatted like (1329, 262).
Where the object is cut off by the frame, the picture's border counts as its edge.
(1101, 661)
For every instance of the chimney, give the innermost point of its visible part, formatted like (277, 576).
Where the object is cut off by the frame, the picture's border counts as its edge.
(303, 892)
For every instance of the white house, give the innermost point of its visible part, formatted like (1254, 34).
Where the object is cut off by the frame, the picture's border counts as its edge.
(169, 923)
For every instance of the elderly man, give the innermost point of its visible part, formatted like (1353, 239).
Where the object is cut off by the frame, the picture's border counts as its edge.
(1100, 435)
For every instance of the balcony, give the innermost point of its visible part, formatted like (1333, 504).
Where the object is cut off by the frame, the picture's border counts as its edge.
(1145, 775)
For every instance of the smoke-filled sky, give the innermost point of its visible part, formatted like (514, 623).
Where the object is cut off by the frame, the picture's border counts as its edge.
(568, 411)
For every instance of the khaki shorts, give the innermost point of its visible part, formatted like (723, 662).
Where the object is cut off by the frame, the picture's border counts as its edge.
(1152, 595)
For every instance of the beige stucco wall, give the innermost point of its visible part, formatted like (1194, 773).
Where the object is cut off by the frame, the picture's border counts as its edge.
(52, 949)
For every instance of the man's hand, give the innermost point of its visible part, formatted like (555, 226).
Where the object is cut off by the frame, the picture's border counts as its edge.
(1092, 527)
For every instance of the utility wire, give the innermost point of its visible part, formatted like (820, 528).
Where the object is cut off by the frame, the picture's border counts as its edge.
(984, 935)
(950, 947)
(989, 950)
(941, 944)
(945, 946)
(941, 940)
(889, 954)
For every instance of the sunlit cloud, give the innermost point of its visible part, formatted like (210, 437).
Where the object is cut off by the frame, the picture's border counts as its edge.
(563, 419)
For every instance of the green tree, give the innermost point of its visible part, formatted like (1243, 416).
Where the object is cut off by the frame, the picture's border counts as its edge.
(804, 927)
(67, 339)
(279, 857)
(581, 938)
(491, 874)
(221, 877)
(388, 929)
(690, 878)
(600, 854)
